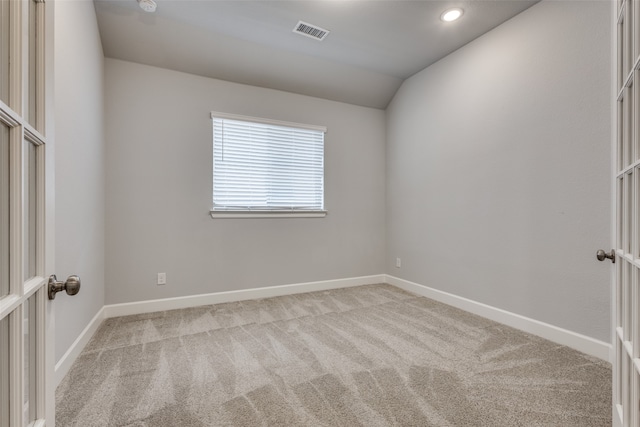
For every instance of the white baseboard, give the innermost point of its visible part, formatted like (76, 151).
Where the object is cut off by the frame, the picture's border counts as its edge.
(65, 362)
(618, 415)
(126, 309)
(583, 343)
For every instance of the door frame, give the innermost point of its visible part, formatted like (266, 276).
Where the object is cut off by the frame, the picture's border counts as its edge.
(625, 203)
(613, 356)
(27, 111)
(49, 383)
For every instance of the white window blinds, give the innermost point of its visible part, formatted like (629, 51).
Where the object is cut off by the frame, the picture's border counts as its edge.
(262, 165)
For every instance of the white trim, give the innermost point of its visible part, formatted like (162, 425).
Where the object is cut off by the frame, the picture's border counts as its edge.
(583, 343)
(66, 361)
(217, 115)
(617, 415)
(616, 410)
(8, 117)
(49, 205)
(217, 214)
(41, 353)
(126, 309)
(33, 136)
(612, 357)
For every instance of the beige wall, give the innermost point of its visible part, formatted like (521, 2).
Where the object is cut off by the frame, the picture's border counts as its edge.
(159, 184)
(498, 168)
(79, 178)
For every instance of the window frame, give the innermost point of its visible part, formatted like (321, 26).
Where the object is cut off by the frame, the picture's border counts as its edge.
(261, 212)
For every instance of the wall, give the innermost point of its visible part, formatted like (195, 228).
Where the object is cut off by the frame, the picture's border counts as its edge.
(79, 177)
(158, 197)
(498, 169)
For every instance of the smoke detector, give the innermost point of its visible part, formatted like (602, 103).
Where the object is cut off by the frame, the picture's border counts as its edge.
(147, 5)
(312, 31)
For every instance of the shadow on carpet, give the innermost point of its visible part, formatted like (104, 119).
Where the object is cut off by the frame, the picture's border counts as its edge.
(364, 356)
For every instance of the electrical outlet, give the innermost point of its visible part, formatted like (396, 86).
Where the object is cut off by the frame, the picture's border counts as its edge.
(398, 263)
(162, 278)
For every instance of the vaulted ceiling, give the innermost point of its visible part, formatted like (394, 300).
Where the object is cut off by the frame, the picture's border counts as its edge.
(373, 45)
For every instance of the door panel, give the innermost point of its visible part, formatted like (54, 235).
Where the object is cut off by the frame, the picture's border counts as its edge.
(4, 371)
(30, 359)
(4, 210)
(626, 314)
(23, 307)
(30, 209)
(5, 38)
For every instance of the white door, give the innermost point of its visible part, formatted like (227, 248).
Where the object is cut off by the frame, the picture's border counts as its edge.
(626, 316)
(26, 391)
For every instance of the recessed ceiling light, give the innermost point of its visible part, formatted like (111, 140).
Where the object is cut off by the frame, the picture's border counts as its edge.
(451, 14)
(147, 5)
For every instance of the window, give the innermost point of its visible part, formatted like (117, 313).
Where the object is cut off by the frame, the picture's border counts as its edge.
(266, 168)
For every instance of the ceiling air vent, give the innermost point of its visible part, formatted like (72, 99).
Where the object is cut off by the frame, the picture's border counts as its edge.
(308, 30)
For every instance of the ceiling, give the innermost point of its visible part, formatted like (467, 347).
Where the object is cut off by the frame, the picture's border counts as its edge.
(372, 47)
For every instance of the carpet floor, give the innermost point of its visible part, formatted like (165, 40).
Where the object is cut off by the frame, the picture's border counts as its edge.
(364, 356)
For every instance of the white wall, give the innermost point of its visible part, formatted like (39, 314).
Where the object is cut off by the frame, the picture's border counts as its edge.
(498, 168)
(159, 160)
(79, 81)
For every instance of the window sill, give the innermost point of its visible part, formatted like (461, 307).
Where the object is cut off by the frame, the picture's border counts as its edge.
(267, 214)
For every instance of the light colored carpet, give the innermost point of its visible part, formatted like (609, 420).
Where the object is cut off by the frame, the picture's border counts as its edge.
(365, 356)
